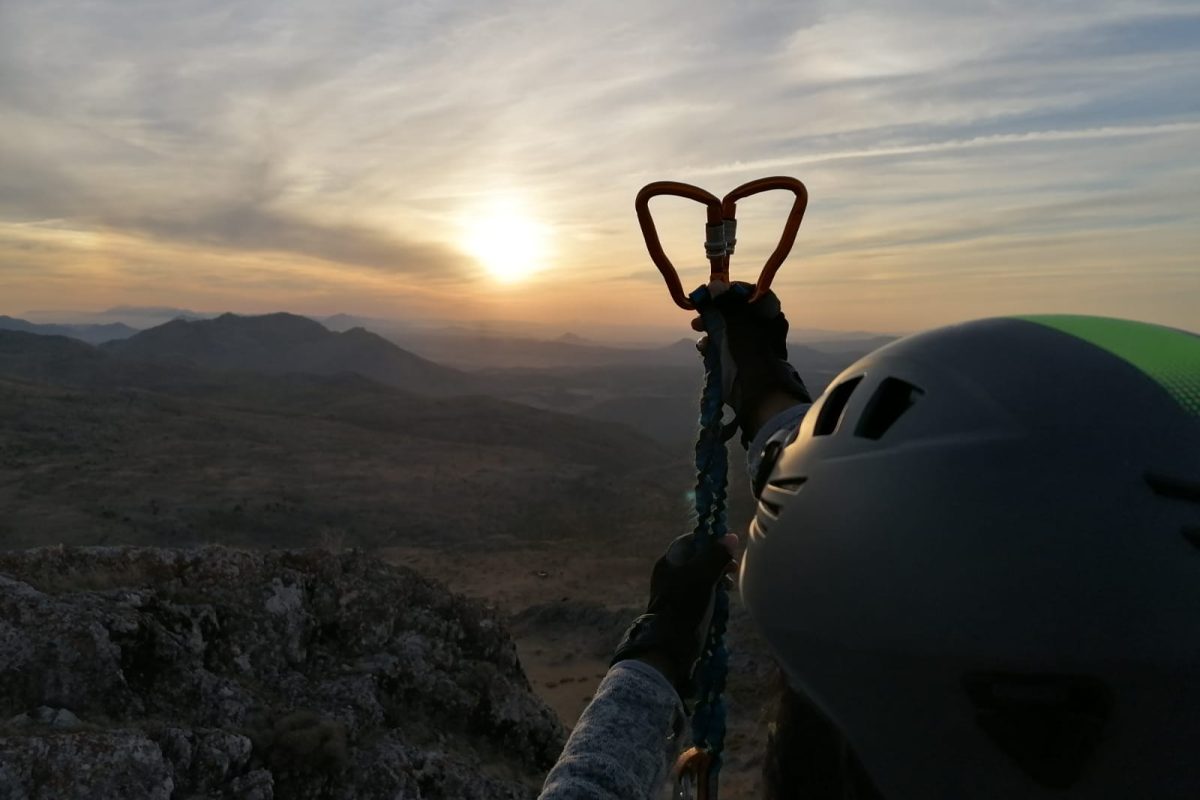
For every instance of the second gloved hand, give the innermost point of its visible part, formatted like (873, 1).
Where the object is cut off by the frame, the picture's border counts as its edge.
(671, 634)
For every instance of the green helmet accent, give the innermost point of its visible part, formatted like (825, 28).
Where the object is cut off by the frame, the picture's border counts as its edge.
(979, 556)
(1169, 356)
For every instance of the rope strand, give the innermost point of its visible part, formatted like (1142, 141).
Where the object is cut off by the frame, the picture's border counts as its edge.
(712, 468)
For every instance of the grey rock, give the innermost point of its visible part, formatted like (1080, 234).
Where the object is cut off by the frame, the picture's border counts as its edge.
(45, 716)
(56, 717)
(219, 673)
(257, 784)
(92, 764)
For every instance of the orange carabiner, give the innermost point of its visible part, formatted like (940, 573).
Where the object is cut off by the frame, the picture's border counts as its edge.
(650, 233)
(693, 775)
(721, 230)
(790, 228)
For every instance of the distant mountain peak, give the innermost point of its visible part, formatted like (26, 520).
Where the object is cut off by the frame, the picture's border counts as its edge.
(151, 311)
(573, 338)
(275, 322)
(92, 334)
(282, 342)
(341, 318)
(281, 315)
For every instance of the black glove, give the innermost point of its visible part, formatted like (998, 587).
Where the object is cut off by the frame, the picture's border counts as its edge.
(754, 361)
(671, 634)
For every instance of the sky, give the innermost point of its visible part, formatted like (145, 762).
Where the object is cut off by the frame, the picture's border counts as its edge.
(476, 162)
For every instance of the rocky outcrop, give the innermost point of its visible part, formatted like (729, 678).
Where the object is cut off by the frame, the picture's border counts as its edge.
(216, 673)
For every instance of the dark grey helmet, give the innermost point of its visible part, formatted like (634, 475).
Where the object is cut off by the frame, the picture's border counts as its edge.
(979, 555)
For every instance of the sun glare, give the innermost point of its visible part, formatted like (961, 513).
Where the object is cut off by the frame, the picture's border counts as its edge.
(508, 242)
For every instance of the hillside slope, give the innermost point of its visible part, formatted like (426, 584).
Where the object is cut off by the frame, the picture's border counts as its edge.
(286, 460)
(282, 343)
(92, 334)
(659, 400)
(65, 361)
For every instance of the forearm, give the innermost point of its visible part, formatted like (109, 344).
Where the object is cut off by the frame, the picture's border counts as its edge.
(624, 744)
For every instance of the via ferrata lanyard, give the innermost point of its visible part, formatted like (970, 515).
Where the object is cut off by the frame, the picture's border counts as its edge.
(698, 769)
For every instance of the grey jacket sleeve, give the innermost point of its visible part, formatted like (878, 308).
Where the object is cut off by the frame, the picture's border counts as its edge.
(625, 742)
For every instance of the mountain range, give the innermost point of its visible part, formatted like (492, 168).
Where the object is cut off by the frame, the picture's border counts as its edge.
(193, 432)
(283, 343)
(90, 333)
(652, 390)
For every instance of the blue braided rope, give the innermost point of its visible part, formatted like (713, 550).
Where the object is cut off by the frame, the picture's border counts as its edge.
(712, 467)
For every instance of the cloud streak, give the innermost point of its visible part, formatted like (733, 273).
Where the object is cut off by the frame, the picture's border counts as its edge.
(992, 140)
(321, 147)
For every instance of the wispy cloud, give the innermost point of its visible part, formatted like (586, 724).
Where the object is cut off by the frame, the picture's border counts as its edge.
(992, 140)
(334, 153)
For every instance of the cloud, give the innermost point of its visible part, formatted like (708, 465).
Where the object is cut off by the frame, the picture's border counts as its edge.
(362, 137)
(248, 227)
(993, 140)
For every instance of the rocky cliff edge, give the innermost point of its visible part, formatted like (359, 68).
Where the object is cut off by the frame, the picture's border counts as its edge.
(216, 673)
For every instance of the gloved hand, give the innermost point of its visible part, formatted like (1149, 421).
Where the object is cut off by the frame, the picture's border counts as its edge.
(671, 634)
(754, 366)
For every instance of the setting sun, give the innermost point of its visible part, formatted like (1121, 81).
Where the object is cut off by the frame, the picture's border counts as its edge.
(508, 242)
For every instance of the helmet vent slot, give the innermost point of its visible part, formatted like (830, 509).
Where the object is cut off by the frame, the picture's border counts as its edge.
(1049, 725)
(1192, 534)
(758, 527)
(771, 508)
(1173, 486)
(761, 522)
(789, 485)
(891, 399)
(832, 409)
